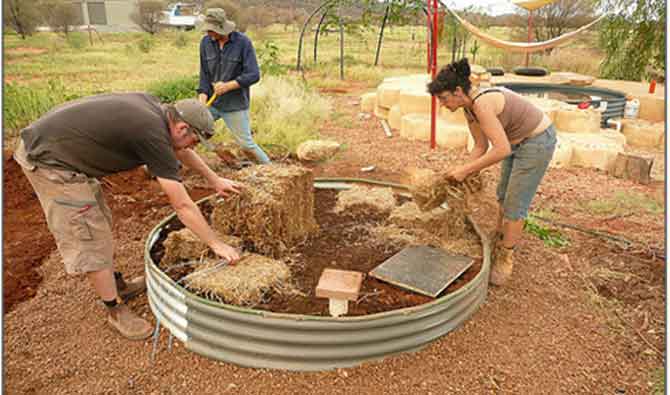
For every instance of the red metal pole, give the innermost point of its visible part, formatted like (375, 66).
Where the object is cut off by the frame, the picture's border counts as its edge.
(428, 24)
(530, 32)
(433, 103)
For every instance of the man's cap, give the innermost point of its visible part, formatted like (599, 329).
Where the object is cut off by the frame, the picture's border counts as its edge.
(196, 114)
(216, 21)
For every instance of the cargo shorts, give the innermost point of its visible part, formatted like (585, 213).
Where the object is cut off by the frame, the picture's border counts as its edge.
(76, 213)
(522, 172)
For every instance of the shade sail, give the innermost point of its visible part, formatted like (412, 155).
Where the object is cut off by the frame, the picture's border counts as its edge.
(532, 5)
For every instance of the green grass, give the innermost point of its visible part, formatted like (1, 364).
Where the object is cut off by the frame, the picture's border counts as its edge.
(622, 203)
(122, 62)
(658, 378)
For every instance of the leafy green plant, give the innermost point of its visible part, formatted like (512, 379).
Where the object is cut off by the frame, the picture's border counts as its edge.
(169, 91)
(146, 44)
(633, 38)
(551, 237)
(268, 57)
(23, 104)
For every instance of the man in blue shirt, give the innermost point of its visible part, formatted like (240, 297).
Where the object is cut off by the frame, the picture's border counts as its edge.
(228, 67)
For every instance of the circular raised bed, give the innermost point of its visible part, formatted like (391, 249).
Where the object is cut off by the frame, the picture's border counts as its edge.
(264, 339)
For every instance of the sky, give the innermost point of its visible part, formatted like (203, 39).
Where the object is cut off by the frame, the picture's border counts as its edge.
(494, 7)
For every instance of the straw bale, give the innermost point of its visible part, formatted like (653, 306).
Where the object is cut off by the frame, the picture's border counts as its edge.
(442, 222)
(274, 211)
(363, 200)
(430, 190)
(400, 237)
(244, 284)
(317, 150)
(185, 245)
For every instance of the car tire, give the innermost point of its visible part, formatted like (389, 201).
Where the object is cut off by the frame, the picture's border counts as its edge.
(531, 71)
(496, 71)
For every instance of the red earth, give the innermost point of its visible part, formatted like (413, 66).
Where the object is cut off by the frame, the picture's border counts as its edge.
(585, 318)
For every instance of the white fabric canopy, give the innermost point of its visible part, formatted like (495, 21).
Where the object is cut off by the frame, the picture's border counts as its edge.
(523, 47)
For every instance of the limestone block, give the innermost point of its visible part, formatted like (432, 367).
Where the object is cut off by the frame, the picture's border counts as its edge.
(381, 112)
(388, 94)
(368, 102)
(417, 127)
(548, 106)
(592, 150)
(567, 78)
(395, 117)
(414, 101)
(633, 167)
(640, 133)
(563, 153)
(574, 120)
(612, 134)
(652, 108)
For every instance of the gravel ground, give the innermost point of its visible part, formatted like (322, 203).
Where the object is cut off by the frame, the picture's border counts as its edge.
(567, 323)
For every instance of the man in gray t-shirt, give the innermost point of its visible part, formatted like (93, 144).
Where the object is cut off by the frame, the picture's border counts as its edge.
(64, 152)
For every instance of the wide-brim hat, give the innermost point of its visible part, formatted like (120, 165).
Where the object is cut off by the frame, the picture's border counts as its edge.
(217, 21)
(196, 114)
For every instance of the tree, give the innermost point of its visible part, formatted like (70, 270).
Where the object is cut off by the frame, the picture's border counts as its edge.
(233, 12)
(21, 15)
(633, 39)
(60, 15)
(148, 15)
(557, 18)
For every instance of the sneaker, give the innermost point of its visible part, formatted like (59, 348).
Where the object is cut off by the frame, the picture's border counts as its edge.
(129, 324)
(502, 266)
(128, 290)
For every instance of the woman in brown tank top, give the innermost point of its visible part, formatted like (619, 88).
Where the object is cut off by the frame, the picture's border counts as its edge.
(521, 137)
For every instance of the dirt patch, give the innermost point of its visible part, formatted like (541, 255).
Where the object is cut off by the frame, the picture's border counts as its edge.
(27, 240)
(25, 51)
(364, 251)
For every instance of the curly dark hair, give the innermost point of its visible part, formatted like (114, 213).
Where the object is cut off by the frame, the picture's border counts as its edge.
(450, 76)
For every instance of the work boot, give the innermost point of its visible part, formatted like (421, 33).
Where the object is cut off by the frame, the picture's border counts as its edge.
(128, 290)
(502, 266)
(128, 323)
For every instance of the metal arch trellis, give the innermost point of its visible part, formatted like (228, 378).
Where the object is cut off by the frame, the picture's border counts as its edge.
(326, 7)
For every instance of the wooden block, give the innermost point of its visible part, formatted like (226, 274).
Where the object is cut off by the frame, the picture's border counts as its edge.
(633, 167)
(339, 284)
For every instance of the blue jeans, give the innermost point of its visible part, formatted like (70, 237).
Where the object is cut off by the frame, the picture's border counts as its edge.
(239, 125)
(522, 173)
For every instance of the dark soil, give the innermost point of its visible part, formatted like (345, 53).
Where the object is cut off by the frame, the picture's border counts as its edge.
(344, 243)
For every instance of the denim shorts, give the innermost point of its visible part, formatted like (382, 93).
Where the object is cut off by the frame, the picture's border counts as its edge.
(522, 173)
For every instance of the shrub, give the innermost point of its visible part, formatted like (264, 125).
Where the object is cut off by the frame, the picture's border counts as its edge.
(76, 40)
(20, 15)
(285, 113)
(146, 43)
(148, 15)
(181, 41)
(24, 104)
(268, 58)
(169, 91)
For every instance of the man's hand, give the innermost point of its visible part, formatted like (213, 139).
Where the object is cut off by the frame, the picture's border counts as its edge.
(220, 88)
(226, 252)
(457, 173)
(224, 187)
